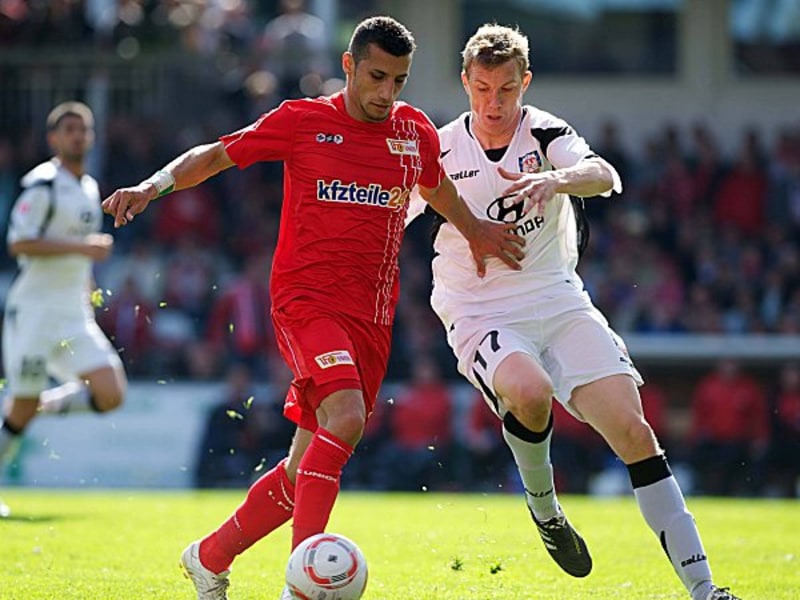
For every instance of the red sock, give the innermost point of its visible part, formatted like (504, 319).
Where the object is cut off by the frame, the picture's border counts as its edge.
(268, 505)
(318, 484)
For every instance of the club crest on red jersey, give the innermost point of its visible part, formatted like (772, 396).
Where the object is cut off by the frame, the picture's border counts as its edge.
(332, 359)
(530, 162)
(403, 147)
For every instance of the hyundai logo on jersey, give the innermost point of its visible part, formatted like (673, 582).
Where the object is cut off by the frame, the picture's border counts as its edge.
(505, 210)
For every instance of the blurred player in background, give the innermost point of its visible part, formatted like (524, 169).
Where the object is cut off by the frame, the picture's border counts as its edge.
(351, 161)
(522, 337)
(49, 329)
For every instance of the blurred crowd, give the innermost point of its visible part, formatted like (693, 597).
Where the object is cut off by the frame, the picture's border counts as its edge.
(732, 436)
(704, 239)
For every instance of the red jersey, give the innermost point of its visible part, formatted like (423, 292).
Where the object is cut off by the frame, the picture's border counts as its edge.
(345, 197)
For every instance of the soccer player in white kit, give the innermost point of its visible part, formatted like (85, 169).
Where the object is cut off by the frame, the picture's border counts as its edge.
(523, 337)
(49, 329)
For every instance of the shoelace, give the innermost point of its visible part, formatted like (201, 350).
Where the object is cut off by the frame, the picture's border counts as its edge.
(723, 594)
(554, 524)
(215, 585)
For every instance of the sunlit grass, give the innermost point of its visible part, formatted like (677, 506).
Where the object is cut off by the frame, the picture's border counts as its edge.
(119, 545)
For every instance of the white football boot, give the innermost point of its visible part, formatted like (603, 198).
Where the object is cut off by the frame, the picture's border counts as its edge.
(209, 586)
(286, 594)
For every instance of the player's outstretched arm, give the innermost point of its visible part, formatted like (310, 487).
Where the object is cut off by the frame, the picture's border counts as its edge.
(189, 169)
(484, 238)
(589, 177)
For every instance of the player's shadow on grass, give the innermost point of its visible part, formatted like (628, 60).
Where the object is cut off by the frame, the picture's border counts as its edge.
(36, 519)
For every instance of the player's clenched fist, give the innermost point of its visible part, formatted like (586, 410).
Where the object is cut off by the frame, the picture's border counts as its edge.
(125, 203)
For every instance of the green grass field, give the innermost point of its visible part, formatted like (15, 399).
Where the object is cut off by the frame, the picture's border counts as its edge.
(119, 545)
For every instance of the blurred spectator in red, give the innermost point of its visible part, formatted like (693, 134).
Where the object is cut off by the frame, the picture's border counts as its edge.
(742, 196)
(707, 168)
(729, 431)
(420, 424)
(9, 187)
(488, 457)
(578, 452)
(654, 405)
(126, 319)
(192, 212)
(784, 453)
(675, 187)
(239, 325)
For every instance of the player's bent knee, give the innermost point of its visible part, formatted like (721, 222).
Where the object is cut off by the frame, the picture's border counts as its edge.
(528, 396)
(347, 425)
(107, 402)
(639, 442)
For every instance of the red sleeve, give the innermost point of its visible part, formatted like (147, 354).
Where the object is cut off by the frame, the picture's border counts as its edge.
(432, 172)
(268, 139)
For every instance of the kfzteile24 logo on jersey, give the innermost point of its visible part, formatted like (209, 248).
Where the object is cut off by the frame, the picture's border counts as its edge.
(352, 193)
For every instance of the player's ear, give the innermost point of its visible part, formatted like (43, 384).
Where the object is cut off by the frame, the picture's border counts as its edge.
(348, 64)
(465, 81)
(527, 77)
(52, 139)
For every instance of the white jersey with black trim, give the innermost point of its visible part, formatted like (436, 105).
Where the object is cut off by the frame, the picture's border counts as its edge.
(54, 204)
(542, 142)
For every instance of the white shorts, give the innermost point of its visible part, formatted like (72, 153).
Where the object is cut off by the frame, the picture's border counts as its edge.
(39, 344)
(567, 336)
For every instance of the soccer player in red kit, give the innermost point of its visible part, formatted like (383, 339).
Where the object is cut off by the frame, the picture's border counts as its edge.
(351, 160)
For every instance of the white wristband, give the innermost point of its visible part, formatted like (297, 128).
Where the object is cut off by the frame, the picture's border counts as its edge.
(163, 181)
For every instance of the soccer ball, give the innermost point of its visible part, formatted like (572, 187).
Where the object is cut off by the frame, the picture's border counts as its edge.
(326, 566)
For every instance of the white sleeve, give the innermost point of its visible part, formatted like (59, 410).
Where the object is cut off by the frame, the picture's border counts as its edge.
(568, 149)
(29, 214)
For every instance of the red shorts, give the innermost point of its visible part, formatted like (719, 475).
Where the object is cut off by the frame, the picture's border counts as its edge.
(327, 352)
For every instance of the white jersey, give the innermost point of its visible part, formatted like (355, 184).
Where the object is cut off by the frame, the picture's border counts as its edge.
(542, 310)
(54, 204)
(48, 323)
(542, 142)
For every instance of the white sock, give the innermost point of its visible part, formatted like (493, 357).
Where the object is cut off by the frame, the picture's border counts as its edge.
(531, 452)
(69, 397)
(664, 509)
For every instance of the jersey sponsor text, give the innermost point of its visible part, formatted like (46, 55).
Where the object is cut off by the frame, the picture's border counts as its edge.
(466, 174)
(373, 194)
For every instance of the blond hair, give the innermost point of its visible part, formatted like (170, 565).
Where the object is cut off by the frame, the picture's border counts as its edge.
(494, 45)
